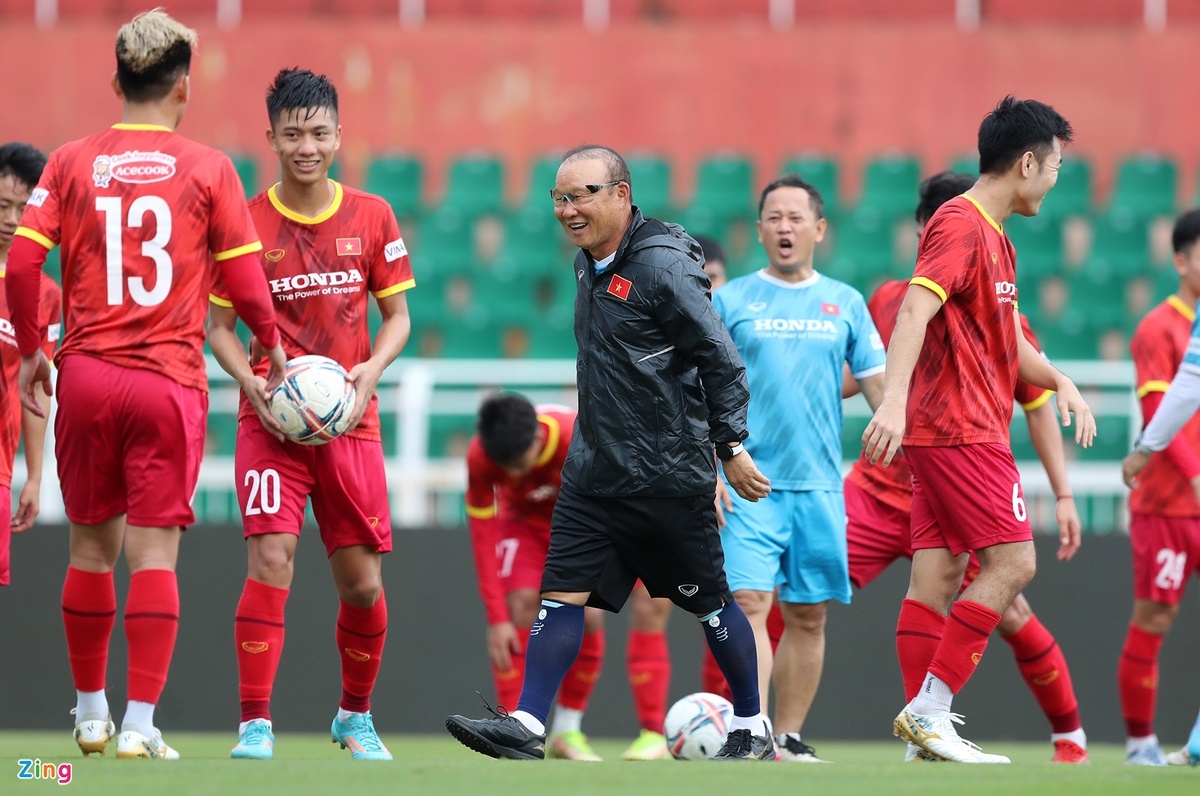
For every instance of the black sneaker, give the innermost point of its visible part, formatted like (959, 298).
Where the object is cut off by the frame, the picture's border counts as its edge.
(741, 745)
(500, 736)
(795, 750)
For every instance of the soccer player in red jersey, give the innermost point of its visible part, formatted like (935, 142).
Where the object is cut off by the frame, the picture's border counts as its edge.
(879, 507)
(1164, 507)
(328, 247)
(141, 214)
(952, 367)
(514, 472)
(21, 167)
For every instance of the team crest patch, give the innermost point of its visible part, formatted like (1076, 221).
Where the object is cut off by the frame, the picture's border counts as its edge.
(620, 287)
(830, 309)
(275, 255)
(349, 247)
(995, 258)
(689, 589)
(356, 655)
(255, 647)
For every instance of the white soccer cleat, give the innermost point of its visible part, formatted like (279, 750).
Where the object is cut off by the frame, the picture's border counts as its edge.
(132, 744)
(789, 748)
(1146, 754)
(1180, 758)
(915, 754)
(936, 734)
(93, 732)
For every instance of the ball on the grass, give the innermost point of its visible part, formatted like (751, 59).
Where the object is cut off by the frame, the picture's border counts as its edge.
(697, 725)
(315, 400)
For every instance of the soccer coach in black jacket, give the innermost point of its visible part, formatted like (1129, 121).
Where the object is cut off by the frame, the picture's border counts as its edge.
(660, 387)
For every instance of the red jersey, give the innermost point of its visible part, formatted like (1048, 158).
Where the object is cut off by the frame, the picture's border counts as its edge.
(1158, 346)
(963, 383)
(320, 270)
(140, 213)
(495, 498)
(892, 484)
(49, 328)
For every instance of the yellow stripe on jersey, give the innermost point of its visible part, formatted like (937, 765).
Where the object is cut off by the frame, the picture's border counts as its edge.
(1039, 401)
(553, 434)
(127, 126)
(1152, 386)
(485, 513)
(999, 228)
(928, 283)
(394, 289)
(35, 236)
(229, 254)
(220, 302)
(1182, 308)
(288, 213)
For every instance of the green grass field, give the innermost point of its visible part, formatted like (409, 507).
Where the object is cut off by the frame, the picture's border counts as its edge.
(309, 764)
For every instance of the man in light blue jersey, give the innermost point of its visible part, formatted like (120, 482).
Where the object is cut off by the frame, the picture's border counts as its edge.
(796, 329)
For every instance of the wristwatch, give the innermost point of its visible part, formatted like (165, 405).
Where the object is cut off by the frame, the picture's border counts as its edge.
(727, 452)
(1142, 448)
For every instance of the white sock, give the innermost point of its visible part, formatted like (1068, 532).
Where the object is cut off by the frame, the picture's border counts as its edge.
(530, 721)
(90, 702)
(242, 726)
(757, 725)
(566, 720)
(1132, 744)
(934, 697)
(139, 716)
(344, 715)
(1075, 736)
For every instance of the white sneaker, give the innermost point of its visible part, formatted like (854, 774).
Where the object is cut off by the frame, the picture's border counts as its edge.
(915, 754)
(131, 744)
(1180, 758)
(790, 748)
(1146, 754)
(935, 733)
(93, 732)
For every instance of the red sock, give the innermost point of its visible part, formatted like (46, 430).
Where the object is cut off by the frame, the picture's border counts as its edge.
(918, 633)
(1137, 675)
(89, 608)
(775, 627)
(258, 633)
(712, 679)
(577, 686)
(1044, 668)
(151, 623)
(963, 643)
(508, 683)
(648, 665)
(360, 635)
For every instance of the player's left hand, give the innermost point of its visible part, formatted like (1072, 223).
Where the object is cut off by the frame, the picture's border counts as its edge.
(724, 503)
(29, 505)
(1070, 402)
(34, 370)
(365, 377)
(1133, 464)
(1070, 529)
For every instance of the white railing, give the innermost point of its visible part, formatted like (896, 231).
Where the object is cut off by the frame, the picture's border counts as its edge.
(428, 491)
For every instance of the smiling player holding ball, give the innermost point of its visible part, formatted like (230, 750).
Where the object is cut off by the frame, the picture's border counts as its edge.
(325, 246)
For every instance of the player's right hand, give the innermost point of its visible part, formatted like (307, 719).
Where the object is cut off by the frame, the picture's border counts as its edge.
(745, 478)
(885, 432)
(278, 361)
(34, 370)
(255, 389)
(1070, 402)
(502, 643)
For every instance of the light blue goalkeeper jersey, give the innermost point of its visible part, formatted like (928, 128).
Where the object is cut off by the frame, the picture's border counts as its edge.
(794, 339)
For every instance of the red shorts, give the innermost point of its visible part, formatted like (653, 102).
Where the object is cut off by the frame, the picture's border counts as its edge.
(521, 554)
(876, 534)
(128, 441)
(1166, 550)
(5, 534)
(345, 479)
(966, 497)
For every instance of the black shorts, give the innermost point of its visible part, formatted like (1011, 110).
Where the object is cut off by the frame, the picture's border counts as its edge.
(602, 545)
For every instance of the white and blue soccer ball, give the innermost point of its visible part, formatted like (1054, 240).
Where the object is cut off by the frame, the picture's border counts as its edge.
(315, 400)
(697, 726)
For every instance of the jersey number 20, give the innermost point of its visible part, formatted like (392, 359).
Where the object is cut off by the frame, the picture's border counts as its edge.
(155, 248)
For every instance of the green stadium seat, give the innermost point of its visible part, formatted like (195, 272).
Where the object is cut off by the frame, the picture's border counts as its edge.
(707, 222)
(1111, 444)
(533, 244)
(449, 434)
(445, 243)
(398, 179)
(852, 431)
(475, 186)
(53, 266)
(966, 163)
(1166, 283)
(503, 302)
(1120, 244)
(1067, 336)
(863, 246)
(1072, 194)
(468, 340)
(823, 173)
(725, 187)
(1146, 185)
(548, 340)
(542, 174)
(651, 176)
(890, 186)
(247, 170)
(1039, 243)
(1100, 295)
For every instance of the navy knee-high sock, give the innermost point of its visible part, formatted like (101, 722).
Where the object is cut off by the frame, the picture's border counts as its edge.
(554, 643)
(732, 643)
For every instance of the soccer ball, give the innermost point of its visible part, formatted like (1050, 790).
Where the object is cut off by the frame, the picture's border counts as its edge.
(315, 400)
(697, 725)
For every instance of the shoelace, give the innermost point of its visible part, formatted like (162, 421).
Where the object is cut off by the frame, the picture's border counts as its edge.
(257, 733)
(738, 744)
(797, 746)
(502, 713)
(958, 718)
(364, 730)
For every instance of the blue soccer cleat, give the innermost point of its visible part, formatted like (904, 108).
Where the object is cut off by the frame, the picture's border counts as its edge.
(257, 742)
(357, 733)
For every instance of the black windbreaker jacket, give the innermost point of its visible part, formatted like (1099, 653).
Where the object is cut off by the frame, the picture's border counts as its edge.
(659, 377)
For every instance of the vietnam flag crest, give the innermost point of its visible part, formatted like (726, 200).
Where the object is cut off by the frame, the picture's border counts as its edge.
(620, 287)
(349, 247)
(830, 309)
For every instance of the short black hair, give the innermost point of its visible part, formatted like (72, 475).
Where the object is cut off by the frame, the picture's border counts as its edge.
(22, 162)
(794, 181)
(299, 89)
(507, 426)
(939, 189)
(1186, 232)
(1015, 127)
(713, 251)
(618, 169)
